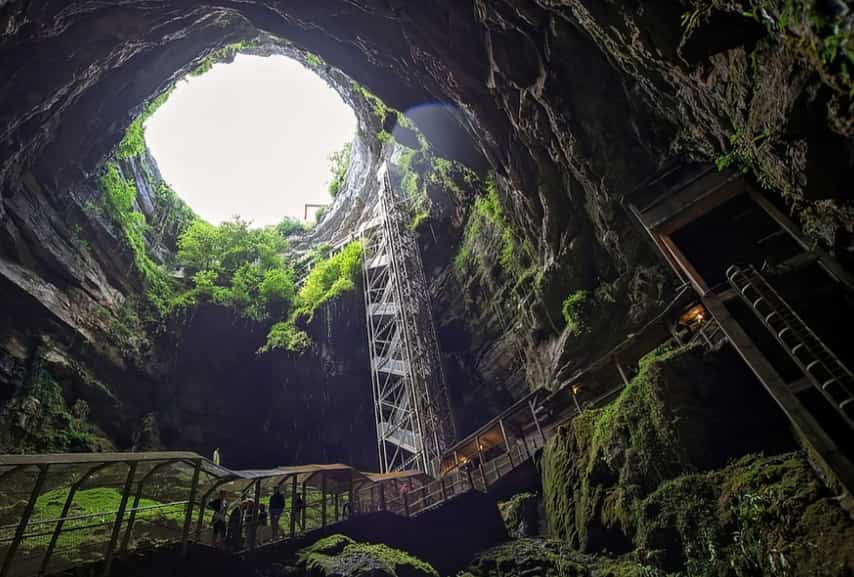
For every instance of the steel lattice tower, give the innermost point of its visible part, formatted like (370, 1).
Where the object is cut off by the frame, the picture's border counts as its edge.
(411, 407)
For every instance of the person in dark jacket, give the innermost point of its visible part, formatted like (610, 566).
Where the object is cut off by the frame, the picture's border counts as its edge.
(235, 528)
(220, 508)
(277, 507)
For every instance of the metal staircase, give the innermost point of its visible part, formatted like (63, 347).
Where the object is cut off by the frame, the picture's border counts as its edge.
(823, 368)
(411, 407)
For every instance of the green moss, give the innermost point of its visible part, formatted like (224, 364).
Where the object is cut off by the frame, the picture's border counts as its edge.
(314, 60)
(577, 309)
(329, 278)
(378, 108)
(133, 142)
(329, 555)
(596, 469)
(120, 203)
(224, 54)
(520, 514)
(340, 163)
(534, 557)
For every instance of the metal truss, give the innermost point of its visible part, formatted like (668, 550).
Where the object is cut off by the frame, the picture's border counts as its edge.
(411, 407)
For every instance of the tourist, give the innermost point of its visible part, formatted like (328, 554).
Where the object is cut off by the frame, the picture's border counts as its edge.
(277, 507)
(299, 510)
(217, 457)
(235, 527)
(220, 507)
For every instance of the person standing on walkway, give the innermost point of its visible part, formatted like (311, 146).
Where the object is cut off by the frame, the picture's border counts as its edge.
(217, 457)
(220, 507)
(277, 507)
(297, 510)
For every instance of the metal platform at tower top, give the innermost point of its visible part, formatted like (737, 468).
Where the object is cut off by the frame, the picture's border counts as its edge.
(413, 414)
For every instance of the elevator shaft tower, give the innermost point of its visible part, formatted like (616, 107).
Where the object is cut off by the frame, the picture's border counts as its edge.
(413, 414)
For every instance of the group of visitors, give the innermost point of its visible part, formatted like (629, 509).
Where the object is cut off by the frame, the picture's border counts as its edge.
(240, 523)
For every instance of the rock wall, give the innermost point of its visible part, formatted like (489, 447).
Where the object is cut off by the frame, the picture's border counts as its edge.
(571, 103)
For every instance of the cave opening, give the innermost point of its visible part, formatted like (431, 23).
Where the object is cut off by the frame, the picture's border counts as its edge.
(614, 440)
(252, 138)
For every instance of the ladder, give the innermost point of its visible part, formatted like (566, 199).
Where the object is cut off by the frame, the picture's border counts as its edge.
(823, 368)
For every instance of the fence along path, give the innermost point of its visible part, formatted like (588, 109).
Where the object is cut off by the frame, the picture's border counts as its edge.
(65, 510)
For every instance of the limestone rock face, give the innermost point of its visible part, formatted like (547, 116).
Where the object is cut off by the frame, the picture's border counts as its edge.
(571, 103)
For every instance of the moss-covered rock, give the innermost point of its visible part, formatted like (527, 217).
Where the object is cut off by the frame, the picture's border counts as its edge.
(643, 477)
(340, 556)
(530, 557)
(521, 514)
(602, 463)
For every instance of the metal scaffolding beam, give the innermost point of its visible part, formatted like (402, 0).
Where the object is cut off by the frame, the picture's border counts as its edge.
(411, 407)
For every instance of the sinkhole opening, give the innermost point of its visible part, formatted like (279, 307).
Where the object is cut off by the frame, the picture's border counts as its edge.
(255, 138)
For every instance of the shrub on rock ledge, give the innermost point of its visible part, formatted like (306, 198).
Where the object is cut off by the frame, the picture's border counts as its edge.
(340, 556)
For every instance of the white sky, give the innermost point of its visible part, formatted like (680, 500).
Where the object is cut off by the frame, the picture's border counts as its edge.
(251, 138)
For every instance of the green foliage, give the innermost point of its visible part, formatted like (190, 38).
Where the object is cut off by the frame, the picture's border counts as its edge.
(487, 225)
(174, 215)
(290, 226)
(102, 503)
(826, 42)
(313, 60)
(637, 422)
(340, 163)
(56, 428)
(576, 310)
(329, 278)
(237, 266)
(378, 107)
(133, 143)
(224, 54)
(326, 556)
(318, 214)
(120, 204)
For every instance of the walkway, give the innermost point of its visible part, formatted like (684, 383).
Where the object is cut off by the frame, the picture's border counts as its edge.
(66, 510)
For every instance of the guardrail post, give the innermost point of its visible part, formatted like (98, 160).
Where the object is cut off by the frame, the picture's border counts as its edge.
(294, 511)
(117, 525)
(335, 501)
(537, 423)
(188, 518)
(506, 440)
(72, 491)
(483, 477)
(25, 519)
(322, 499)
(442, 486)
(382, 496)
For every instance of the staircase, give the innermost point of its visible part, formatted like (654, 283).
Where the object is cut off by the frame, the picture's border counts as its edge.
(820, 365)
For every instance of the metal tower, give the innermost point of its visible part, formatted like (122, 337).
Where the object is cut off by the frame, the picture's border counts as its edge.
(411, 406)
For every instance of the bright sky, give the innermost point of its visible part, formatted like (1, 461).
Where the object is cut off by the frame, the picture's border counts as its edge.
(251, 138)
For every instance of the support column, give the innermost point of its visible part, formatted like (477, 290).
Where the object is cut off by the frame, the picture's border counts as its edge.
(252, 533)
(322, 499)
(294, 513)
(537, 423)
(25, 519)
(506, 441)
(65, 508)
(622, 372)
(382, 496)
(442, 487)
(188, 520)
(335, 501)
(117, 525)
